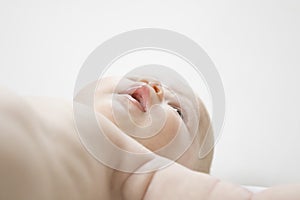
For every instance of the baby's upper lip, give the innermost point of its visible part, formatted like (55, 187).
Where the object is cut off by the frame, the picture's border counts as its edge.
(141, 94)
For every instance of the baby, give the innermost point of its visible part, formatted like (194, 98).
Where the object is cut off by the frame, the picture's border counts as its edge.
(42, 156)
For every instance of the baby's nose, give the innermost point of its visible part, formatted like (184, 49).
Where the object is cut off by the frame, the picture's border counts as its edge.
(158, 89)
(156, 86)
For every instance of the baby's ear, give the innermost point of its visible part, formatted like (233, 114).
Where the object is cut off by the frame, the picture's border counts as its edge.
(205, 138)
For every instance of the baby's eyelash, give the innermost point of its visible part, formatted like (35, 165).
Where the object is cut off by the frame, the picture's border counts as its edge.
(178, 110)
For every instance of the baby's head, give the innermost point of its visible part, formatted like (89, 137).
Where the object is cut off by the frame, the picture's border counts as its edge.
(135, 103)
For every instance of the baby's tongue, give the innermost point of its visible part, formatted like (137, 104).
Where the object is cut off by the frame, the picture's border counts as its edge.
(141, 94)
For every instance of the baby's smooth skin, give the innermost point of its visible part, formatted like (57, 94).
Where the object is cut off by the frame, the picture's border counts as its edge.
(42, 157)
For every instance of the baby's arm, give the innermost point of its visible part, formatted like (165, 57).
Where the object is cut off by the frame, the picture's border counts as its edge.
(41, 157)
(177, 182)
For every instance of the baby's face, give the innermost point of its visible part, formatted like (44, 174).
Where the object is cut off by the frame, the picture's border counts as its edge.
(137, 104)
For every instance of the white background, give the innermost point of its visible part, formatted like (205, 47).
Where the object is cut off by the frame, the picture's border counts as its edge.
(255, 46)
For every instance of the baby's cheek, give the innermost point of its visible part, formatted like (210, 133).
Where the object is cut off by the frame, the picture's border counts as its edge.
(190, 156)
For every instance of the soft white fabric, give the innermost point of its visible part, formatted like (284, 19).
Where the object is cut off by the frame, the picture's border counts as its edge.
(254, 189)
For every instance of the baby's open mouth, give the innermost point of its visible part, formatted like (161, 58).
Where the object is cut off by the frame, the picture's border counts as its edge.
(139, 95)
